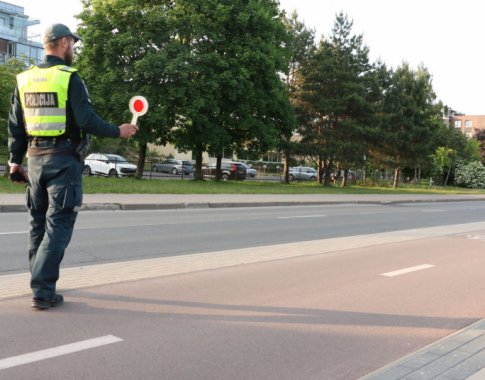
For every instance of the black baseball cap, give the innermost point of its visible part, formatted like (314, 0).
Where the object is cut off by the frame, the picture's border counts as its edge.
(56, 31)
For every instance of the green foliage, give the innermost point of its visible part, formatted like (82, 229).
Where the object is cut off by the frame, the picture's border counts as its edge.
(123, 54)
(8, 72)
(471, 175)
(208, 69)
(231, 75)
(300, 47)
(442, 164)
(338, 98)
(412, 117)
(226, 60)
(471, 151)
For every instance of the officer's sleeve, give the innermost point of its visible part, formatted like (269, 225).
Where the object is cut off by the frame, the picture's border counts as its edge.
(84, 116)
(17, 136)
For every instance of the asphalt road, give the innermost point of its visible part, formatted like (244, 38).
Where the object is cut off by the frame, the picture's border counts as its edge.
(106, 236)
(332, 316)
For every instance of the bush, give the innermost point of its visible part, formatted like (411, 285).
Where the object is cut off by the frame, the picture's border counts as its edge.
(471, 175)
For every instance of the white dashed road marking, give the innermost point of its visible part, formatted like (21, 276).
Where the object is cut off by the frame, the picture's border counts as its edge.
(407, 270)
(49, 353)
(302, 217)
(476, 237)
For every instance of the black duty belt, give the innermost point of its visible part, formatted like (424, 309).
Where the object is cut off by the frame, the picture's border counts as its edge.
(52, 140)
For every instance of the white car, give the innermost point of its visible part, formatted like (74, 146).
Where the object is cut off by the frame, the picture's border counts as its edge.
(108, 165)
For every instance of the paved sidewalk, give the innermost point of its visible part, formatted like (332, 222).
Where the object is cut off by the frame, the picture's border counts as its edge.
(460, 356)
(16, 202)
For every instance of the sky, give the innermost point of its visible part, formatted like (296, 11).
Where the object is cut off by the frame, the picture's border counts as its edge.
(446, 37)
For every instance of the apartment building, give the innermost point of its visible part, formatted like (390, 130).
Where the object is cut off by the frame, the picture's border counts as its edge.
(469, 125)
(15, 40)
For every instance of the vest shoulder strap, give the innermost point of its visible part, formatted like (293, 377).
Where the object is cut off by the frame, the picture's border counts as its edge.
(67, 68)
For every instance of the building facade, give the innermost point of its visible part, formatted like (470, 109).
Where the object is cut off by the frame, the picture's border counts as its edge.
(15, 40)
(469, 125)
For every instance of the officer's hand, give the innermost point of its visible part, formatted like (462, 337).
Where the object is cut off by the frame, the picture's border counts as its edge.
(18, 175)
(127, 130)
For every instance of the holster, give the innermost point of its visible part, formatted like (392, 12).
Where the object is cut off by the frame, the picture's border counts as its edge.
(83, 146)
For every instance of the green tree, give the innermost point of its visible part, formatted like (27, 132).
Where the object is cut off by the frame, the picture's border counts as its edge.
(472, 151)
(301, 47)
(124, 54)
(8, 72)
(225, 58)
(453, 147)
(339, 91)
(208, 69)
(412, 118)
(443, 161)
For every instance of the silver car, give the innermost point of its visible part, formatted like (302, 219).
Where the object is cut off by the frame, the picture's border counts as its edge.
(173, 166)
(302, 173)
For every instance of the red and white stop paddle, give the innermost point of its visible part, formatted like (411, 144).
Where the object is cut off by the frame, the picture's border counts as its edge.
(138, 107)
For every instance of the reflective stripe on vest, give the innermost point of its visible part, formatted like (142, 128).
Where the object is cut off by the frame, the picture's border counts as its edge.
(43, 94)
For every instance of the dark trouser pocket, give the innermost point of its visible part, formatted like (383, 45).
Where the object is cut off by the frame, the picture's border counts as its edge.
(66, 198)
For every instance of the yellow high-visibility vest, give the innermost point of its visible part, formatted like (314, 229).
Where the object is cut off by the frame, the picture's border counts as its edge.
(43, 94)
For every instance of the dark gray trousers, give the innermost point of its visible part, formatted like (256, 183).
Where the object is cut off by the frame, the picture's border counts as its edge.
(54, 197)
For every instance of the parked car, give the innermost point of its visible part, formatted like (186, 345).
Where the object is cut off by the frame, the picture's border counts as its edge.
(230, 170)
(109, 165)
(302, 173)
(250, 171)
(351, 175)
(173, 166)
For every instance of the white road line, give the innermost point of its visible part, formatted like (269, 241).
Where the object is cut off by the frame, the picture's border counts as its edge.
(476, 237)
(434, 210)
(302, 216)
(14, 233)
(57, 351)
(407, 270)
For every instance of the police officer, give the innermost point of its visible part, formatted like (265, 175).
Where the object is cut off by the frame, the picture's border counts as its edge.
(50, 113)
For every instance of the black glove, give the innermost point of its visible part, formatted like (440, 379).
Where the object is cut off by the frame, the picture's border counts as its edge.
(18, 177)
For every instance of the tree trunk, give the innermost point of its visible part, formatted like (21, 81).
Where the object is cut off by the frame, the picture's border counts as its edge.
(321, 173)
(326, 171)
(448, 174)
(286, 170)
(417, 174)
(218, 167)
(198, 175)
(142, 152)
(397, 172)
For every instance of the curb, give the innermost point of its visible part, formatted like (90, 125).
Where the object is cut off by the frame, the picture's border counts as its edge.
(13, 208)
(235, 204)
(108, 206)
(456, 356)
(207, 205)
